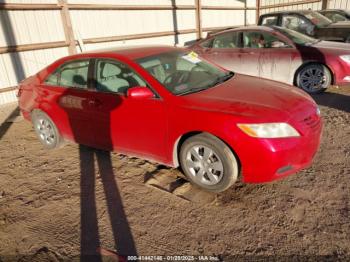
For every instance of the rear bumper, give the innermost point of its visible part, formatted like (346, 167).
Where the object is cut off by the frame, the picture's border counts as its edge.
(272, 159)
(26, 114)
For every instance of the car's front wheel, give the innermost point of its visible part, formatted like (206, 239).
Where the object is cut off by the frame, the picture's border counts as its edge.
(46, 130)
(208, 162)
(314, 78)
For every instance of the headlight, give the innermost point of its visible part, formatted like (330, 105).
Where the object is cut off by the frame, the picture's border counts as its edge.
(345, 58)
(269, 130)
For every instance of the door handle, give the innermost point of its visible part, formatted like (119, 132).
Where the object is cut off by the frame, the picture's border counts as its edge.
(94, 102)
(249, 52)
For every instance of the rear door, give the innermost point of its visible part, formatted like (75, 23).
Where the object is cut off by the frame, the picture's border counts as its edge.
(224, 50)
(66, 98)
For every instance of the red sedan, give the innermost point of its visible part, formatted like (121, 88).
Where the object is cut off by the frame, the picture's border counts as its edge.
(171, 106)
(279, 54)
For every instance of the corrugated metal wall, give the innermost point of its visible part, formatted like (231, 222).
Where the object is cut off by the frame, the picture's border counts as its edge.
(314, 6)
(215, 18)
(27, 27)
(343, 4)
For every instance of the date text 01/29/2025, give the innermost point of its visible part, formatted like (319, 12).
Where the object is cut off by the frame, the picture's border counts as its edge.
(172, 258)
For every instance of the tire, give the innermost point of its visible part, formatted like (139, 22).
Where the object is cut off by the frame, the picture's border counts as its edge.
(46, 130)
(347, 40)
(208, 163)
(314, 78)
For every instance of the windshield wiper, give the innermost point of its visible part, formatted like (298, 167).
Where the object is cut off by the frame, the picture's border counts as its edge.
(314, 42)
(222, 79)
(217, 81)
(193, 90)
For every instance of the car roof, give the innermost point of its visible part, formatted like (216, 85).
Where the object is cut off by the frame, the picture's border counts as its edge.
(328, 10)
(289, 12)
(135, 52)
(240, 28)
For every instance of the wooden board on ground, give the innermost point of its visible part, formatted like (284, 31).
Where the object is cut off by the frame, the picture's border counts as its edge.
(168, 181)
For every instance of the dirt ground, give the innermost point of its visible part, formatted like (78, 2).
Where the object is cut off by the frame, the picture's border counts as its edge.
(55, 205)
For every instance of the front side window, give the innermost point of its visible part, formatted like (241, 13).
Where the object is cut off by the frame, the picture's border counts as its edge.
(296, 37)
(227, 40)
(183, 72)
(116, 77)
(73, 74)
(254, 39)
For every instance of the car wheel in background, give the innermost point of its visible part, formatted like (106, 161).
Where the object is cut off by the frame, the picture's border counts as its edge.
(314, 78)
(208, 163)
(46, 130)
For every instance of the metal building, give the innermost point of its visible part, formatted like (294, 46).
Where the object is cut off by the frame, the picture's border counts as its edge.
(34, 33)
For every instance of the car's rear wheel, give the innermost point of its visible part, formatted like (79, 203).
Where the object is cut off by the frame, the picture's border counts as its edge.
(208, 163)
(46, 130)
(314, 78)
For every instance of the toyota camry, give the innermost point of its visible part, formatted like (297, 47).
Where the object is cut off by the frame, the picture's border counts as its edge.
(171, 106)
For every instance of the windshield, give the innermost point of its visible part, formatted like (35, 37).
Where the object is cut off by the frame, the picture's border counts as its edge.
(183, 72)
(318, 19)
(296, 37)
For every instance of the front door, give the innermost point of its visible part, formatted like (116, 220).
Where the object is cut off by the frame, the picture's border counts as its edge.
(276, 58)
(128, 125)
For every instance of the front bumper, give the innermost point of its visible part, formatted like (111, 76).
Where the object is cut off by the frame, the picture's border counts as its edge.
(265, 160)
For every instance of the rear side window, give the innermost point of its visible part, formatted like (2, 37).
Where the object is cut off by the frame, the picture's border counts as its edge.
(73, 74)
(269, 20)
(228, 40)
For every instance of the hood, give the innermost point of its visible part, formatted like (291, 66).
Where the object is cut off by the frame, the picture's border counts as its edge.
(328, 47)
(332, 44)
(342, 24)
(252, 97)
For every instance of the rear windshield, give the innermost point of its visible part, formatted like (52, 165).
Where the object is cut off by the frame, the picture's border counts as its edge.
(317, 19)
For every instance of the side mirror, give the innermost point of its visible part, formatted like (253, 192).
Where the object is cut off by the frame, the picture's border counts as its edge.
(206, 49)
(139, 92)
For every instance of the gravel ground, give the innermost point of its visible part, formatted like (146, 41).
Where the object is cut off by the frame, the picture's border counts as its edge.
(57, 205)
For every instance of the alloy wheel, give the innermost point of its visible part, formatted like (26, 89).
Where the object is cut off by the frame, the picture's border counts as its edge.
(45, 131)
(204, 165)
(313, 78)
